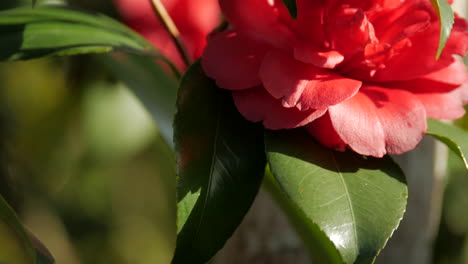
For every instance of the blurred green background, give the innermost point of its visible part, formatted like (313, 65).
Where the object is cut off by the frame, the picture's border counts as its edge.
(451, 245)
(86, 169)
(83, 163)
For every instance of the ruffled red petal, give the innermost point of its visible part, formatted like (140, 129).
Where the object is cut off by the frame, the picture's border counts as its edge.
(260, 18)
(233, 59)
(443, 93)
(423, 46)
(194, 19)
(377, 121)
(257, 105)
(324, 59)
(323, 130)
(303, 85)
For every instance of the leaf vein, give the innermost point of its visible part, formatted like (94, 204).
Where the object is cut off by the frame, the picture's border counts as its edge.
(212, 167)
(349, 199)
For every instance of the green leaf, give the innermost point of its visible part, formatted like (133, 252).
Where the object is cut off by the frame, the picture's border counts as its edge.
(17, 245)
(221, 163)
(356, 201)
(292, 7)
(454, 137)
(43, 31)
(315, 240)
(43, 255)
(446, 17)
(152, 85)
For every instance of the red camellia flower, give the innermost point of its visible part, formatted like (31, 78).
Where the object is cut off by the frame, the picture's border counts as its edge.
(361, 74)
(195, 19)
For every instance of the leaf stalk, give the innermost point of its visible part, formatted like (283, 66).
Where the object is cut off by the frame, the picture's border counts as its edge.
(171, 28)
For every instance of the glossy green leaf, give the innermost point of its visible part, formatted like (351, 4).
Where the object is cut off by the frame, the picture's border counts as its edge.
(151, 84)
(454, 137)
(43, 31)
(315, 240)
(446, 17)
(292, 7)
(356, 201)
(221, 163)
(17, 245)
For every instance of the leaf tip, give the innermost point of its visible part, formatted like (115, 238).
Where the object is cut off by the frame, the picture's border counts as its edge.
(292, 7)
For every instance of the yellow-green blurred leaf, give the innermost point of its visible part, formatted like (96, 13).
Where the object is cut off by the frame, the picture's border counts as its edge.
(16, 245)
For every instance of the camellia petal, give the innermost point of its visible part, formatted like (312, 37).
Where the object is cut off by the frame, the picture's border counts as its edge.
(402, 22)
(442, 81)
(424, 47)
(194, 19)
(233, 59)
(455, 74)
(303, 85)
(257, 105)
(443, 93)
(260, 18)
(239, 13)
(308, 26)
(324, 59)
(323, 130)
(349, 30)
(445, 106)
(378, 121)
(357, 123)
(369, 66)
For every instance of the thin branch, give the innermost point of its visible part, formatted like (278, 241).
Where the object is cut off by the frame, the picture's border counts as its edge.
(171, 28)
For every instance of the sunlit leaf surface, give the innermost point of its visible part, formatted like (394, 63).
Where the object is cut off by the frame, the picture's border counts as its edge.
(356, 201)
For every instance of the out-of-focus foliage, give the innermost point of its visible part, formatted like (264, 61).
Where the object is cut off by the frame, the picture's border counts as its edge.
(452, 136)
(83, 163)
(451, 246)
(28, 33)
(88, 171)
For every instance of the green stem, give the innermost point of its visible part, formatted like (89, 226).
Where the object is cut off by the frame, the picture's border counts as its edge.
(171, 28)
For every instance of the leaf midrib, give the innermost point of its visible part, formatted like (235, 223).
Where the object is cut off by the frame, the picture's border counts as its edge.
(212, 167)
(348, 198)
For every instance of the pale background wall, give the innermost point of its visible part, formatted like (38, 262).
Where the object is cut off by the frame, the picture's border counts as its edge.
(461, 6)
